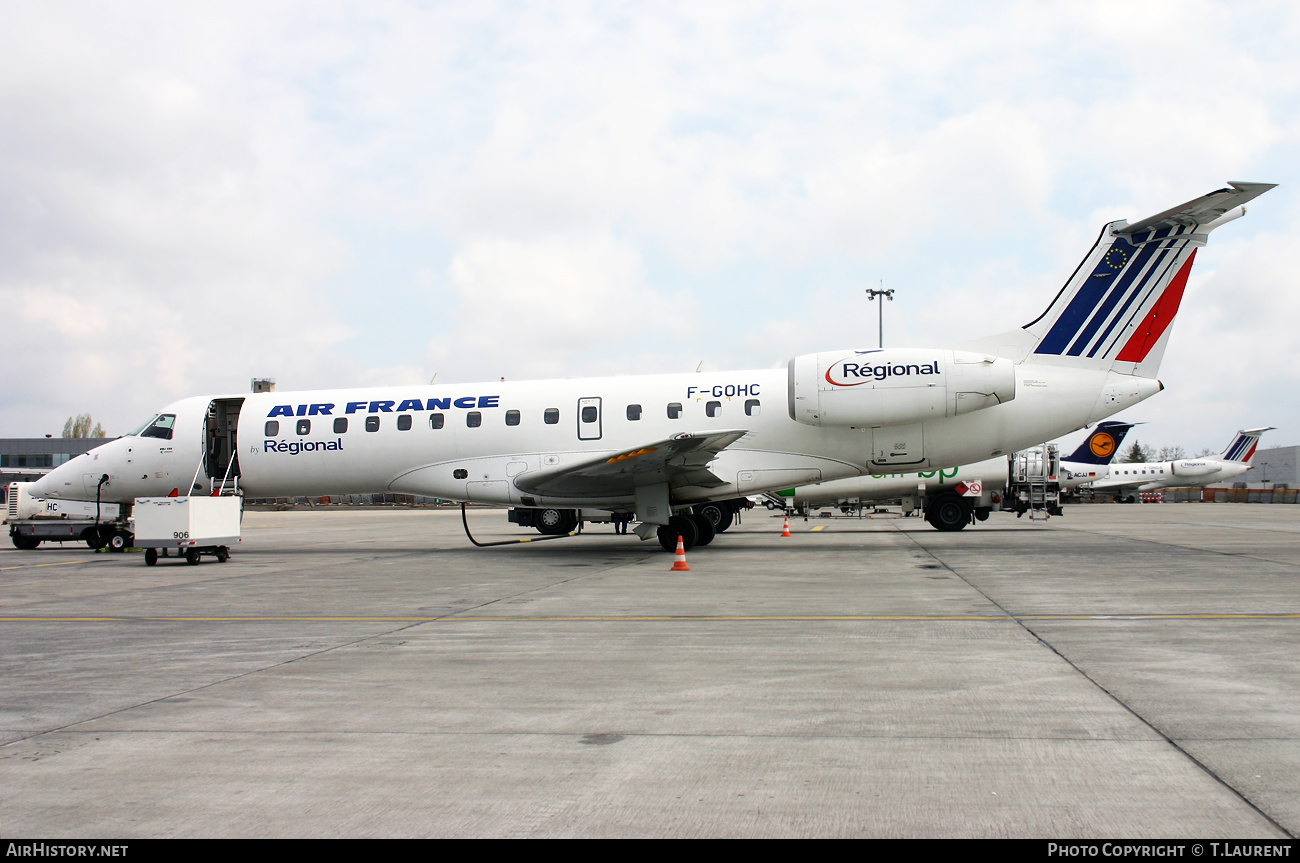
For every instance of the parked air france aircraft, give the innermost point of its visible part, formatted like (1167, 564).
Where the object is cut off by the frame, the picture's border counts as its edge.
(1124, 479)
(931, 489)
(656, 445)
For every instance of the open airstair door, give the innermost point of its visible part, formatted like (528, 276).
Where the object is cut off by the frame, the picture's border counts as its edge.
(221, 446)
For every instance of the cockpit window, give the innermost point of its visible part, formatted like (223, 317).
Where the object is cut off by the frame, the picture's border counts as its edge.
(142, 426)
(160, 427)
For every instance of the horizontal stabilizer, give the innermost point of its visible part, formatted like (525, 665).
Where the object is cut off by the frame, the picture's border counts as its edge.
(1202, 210)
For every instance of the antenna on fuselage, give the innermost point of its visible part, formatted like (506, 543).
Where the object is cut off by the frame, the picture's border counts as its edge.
(700, 367)
(433, 380)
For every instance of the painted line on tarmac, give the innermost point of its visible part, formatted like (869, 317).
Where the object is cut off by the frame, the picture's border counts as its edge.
(34, 565)
(653, 618)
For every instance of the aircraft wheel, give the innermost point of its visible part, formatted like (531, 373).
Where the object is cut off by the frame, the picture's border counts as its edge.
(678, 525)
(554, 522)
(705, 528)
(982, 514)
(119, 541)
(94, 538)
(949, 512)
(26, 543)
(151, 557)
(720, 515)
(192, 557)
(223, 554)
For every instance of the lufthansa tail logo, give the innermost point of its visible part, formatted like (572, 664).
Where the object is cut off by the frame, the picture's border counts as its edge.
(1102, 444)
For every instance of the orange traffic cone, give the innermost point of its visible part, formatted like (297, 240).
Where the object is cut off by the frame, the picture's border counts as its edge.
(785, 530)
(679, 559)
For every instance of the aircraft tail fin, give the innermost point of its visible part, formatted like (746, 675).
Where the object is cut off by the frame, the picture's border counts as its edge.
(1102, 445)
(1116, 309)
(1242, 448)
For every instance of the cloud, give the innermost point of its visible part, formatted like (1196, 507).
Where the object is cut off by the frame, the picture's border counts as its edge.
(193, 195)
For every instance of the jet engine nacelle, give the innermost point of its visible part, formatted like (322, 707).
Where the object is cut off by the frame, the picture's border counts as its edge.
(1192, 468)
(895, 387)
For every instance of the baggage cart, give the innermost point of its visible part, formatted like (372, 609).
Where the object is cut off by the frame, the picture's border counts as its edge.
(191, 526)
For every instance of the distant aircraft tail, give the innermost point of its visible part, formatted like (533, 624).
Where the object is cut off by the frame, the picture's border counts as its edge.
(1116, 309)
(1102, 445)
(1242, 448)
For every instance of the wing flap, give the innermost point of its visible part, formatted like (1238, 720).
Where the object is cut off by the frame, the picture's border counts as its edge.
(681, 460)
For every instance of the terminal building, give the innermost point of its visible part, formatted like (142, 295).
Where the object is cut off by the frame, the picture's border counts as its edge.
(23, 459)
(1276, 466)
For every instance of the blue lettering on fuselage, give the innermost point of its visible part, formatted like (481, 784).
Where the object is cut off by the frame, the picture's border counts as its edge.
(408, 405)
(298, 446)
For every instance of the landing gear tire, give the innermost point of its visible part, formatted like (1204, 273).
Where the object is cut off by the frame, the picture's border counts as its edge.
(948, 513)
(678, 525)
(705, 529)
(982, 514)
(223, 554)
(718, 514)
(94, 538)
(151, 557)
(26, 543)
(119, 541)
(192, 557)
(555, 522)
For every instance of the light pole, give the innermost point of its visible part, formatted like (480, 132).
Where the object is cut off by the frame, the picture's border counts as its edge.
(881, 294)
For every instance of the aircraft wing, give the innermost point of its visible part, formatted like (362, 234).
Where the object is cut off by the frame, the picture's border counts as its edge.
(681, 460)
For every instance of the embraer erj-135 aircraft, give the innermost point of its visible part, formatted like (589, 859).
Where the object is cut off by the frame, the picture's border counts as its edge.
(1123, 479)
(656, 445)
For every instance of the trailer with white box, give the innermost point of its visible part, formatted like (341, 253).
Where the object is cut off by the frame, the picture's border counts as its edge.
(191, 526)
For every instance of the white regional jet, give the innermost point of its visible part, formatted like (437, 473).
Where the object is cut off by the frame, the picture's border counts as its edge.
(1124, 479)
(657, 445)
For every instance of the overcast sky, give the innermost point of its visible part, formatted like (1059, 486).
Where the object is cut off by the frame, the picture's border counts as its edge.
(334, 194)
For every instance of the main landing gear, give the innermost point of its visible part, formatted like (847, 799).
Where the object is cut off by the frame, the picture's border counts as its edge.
(694, 529)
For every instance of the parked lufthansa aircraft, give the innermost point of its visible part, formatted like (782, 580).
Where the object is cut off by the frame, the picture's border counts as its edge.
(1124, 479)
(656, 445)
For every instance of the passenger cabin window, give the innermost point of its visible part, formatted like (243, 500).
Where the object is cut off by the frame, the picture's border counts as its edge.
(340, 425)
(752, 408)
(589, 414)
(675, 411)
(272, 428)
(436, 421)
(473, 419)
(552, 416)
(634, 412)
(161, 427)
(712, 409)
(512, 418)
(404, 422)
(304, 427)
(372, 423)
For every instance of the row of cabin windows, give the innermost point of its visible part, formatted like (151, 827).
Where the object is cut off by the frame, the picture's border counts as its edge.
(474, 419)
